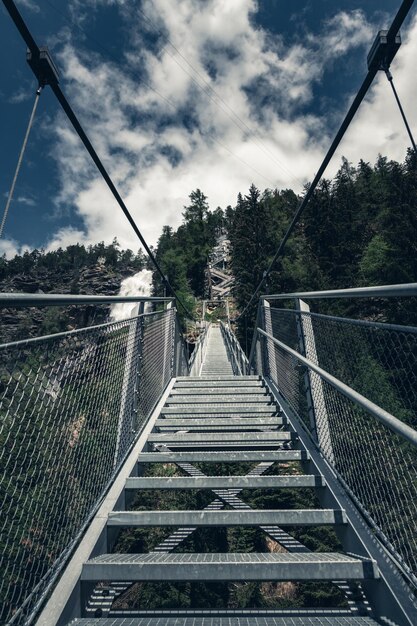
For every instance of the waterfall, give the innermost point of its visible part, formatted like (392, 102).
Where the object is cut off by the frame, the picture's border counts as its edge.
(137, 285)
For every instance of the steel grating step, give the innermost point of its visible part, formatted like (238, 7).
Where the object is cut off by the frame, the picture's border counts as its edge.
(211, 392)
(253, 620)
(216, 378)
(211, 429)
(220, 410)
(214, 408)
(218, 421)
(224, 482)
(220, 382)
(219, 399)
(248, 517)
(178, 446)
(232, 567)
(255, 437)
(241, 456)
(238, 383)
(224, 613)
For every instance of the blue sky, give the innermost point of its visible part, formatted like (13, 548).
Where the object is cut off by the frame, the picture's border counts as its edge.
(177, 95)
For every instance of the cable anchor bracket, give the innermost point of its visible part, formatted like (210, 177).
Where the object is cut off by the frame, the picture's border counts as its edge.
(43, 66)
(383, 51)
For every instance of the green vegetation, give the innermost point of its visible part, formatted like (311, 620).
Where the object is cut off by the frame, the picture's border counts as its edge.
(183, 254)
(97, 269)
(359, 229)
(73, 258)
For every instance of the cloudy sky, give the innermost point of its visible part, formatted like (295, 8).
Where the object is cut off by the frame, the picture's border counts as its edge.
(180, 94)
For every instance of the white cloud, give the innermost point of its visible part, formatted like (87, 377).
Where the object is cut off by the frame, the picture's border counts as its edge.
(29, 4)
(21, 95)
(378, 127)
(66, 237)
(25, 200)
(164, 136)
(10, 247)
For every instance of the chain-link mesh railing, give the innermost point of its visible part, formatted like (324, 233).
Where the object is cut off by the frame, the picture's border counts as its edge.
(236, 354)
(71, 406)
(199, 351)
(181, 360)
(377, 466)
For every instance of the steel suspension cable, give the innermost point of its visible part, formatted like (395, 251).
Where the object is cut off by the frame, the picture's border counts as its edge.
(393, 30)
(35, 50)
(20, 159)
(410, 134)
(91, 151)
(157, 93)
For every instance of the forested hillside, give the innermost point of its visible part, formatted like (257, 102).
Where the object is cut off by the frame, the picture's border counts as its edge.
(359, 229)
(183, 253)
(97, 269)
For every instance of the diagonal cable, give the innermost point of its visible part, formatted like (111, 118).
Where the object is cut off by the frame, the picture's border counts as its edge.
(397, 98)
(36, 52)
(19, 162)
(393, 30)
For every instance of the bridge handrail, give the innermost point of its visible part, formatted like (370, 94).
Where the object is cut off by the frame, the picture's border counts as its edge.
(239, 359)
(72, 406)
(352, 384)
(70, 333)
(383, 291)
(383, 416)
(13, 299)
(196, 359)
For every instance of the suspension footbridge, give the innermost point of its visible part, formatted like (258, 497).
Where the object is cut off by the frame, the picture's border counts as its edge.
(316, 420)
(127, 398)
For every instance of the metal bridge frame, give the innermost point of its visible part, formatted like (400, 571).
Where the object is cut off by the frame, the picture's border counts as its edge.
(361, 533)
(389, 595)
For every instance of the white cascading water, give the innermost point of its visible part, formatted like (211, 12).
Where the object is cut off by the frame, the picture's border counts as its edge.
(138, 285)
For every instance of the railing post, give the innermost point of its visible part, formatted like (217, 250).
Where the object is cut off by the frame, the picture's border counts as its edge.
(170, 326)
(268, 361)
(300, 307)
(127, 422)
(319, 421)
(253, 355)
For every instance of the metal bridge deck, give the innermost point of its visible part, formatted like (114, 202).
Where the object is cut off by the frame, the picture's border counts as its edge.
(196, 416)
(228, 621)
(216, 362)
(221, 418)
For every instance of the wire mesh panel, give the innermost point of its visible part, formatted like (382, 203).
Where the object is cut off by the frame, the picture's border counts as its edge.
(71, 407)
(156, 359)
(377, 466)
(237, 357)
(378, 361)
(181, 366)
(282, 367)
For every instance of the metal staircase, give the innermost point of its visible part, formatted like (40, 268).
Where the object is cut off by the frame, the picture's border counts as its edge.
(220, 281)
(221, 418)
(217, 362)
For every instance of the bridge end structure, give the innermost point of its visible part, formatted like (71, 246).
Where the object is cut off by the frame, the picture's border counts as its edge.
(253, 413)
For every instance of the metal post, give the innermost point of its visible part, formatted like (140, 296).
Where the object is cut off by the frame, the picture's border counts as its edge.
(319, 419)
(303, 307)
(171, 348)
(130, 386)
(269, 358)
